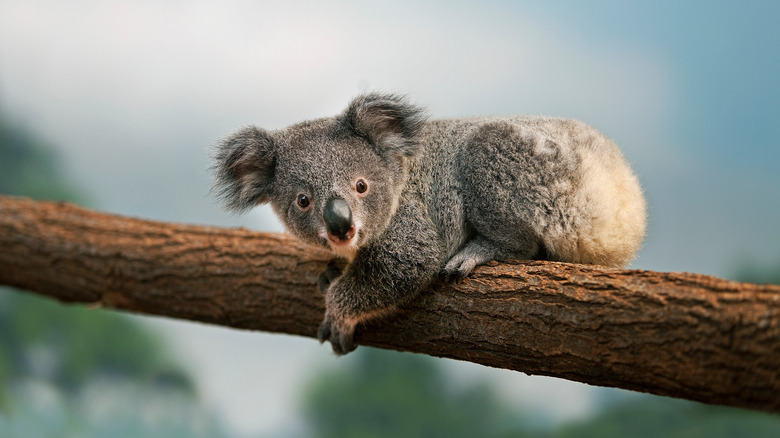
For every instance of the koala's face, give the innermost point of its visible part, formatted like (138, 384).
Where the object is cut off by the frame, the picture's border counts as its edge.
(334, 182)
(331, 188)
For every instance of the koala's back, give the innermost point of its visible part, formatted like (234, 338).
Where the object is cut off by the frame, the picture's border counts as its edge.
(532, 184)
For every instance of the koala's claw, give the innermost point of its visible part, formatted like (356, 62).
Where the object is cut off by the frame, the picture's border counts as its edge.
(476, 252)
(342, 339)
(323, 333)
(458, 268)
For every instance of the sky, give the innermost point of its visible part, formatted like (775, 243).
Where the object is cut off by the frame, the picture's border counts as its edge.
(132, 95)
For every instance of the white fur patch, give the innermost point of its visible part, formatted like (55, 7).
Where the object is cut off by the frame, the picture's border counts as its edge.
(344, 251)
(613, 207)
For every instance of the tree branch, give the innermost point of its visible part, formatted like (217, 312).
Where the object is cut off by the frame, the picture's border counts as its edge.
(681, 335)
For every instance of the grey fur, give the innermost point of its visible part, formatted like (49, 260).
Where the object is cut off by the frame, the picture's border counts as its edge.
(443, 197)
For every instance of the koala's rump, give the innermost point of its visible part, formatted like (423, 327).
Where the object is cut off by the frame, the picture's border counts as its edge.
(558, 183)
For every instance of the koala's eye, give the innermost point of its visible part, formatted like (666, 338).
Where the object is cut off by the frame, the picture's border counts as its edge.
(361, 186)
(303, 201)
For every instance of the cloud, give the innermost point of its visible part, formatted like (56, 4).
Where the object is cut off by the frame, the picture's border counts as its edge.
(292, 55)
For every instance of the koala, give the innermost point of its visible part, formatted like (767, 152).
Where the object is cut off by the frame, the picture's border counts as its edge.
(405, 199)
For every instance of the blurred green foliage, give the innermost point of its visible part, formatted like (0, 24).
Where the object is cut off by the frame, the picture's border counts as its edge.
(70, 371)
(659, 417)
(389, 394)
(753, 271)
(28, 166)
(70, 346)
(77, 343)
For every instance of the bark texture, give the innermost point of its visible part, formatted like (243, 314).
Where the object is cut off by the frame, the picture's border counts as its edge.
(682, 335)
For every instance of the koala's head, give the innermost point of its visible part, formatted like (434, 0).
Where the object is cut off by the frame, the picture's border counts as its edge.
(334, 182)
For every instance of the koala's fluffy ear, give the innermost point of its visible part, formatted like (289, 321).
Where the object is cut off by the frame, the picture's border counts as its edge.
(244, 166)
(388, 121)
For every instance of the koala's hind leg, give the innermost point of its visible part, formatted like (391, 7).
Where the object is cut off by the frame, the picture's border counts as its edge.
(506, 187)
(480, 250)
(475, 252)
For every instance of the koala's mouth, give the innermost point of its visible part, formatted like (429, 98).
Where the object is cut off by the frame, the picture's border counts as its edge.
(344, 245)
(344, 237)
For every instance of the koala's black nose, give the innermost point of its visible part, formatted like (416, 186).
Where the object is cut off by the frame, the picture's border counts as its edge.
(338, 219)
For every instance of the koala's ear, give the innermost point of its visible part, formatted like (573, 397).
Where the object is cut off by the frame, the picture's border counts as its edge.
(388, 121)
(244, 165)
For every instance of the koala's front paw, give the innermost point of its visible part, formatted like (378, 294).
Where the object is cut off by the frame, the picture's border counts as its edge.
(339, 332)
(332, 272)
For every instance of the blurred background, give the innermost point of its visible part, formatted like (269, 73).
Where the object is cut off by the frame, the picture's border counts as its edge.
(113, 105)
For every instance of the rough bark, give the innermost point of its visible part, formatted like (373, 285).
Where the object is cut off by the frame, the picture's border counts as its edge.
(675, 334)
